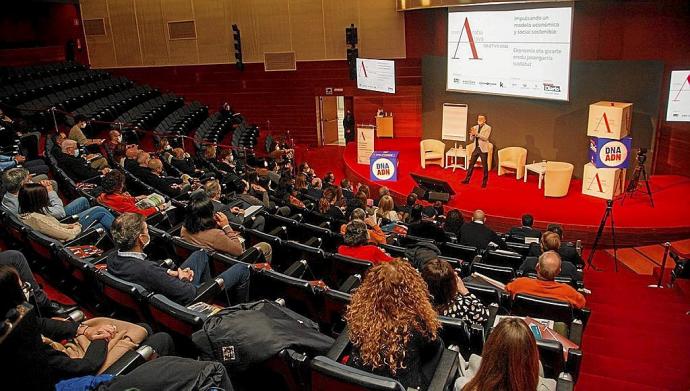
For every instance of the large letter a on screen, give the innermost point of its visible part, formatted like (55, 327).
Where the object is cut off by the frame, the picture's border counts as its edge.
(470, 38)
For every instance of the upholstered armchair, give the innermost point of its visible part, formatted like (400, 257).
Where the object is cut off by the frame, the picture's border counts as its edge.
(431, 152)
(513, 158)
(557, 178)
(470, 148)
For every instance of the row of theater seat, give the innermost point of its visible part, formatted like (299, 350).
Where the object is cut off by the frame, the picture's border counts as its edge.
(13, 94)
(10, 75)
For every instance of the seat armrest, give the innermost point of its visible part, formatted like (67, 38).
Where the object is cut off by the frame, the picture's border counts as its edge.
(576, 331)
(573, 364)
(477, 339)
(70, 219)
(446, 371)
(251, 255)
(493, 311)
(85, 235)
(565, 382)
(129, 361)
(339, 346)
(209, 290)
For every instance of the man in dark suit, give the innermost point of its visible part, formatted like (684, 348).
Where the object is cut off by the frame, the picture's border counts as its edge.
(74, 166)
(550, 241)
(315, 191)
(567, 250)
(169, 186)
(477, 234)
(184, 163)
(428, 228)
(130, 263)
(526, 230)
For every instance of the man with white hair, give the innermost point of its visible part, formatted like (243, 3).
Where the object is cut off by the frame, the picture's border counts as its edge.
(75, 166)
(477, 234)
(544, 285)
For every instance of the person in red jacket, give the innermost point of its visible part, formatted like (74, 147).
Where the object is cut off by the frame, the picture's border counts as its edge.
(357, 244)
(115, 198)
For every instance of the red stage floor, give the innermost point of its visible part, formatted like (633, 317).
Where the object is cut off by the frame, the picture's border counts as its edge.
(506, 199)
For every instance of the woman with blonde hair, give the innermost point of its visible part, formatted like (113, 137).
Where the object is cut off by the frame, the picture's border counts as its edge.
(510, 361)
(393, 326)
(385, 209)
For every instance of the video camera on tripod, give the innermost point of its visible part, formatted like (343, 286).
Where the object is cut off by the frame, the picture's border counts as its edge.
(640, 173)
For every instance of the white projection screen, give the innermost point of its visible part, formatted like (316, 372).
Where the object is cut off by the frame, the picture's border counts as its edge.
(376, 75)
(519, 52)
(678, 108)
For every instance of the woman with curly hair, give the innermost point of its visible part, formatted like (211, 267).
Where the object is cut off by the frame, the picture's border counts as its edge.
(393, 326)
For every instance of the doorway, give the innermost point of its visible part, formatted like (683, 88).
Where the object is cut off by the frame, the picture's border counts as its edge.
(330, 111)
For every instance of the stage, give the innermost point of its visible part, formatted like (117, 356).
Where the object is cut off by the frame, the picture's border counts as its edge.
(506, 199)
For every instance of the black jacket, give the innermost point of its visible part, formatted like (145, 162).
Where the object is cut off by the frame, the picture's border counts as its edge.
(567, 252)
(479, 235)
(429, 230)
(152, 277)
(160, 183)
(186, 166)
(524, 232)
(75, 167)
(567, 268)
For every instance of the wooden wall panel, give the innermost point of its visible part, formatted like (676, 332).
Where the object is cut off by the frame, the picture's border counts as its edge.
(306, 24)
(213, 32)
(381, 30)
(125, 32)
(152, 34)
(181, 51)
(244, 15)
(273, 26)
(338, 15)
(100, 48)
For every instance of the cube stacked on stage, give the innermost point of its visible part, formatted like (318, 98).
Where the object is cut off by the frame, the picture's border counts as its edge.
(609, 149)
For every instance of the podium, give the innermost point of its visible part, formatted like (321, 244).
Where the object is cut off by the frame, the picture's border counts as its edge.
(384, 126)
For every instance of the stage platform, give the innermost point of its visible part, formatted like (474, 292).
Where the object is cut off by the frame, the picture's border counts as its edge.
(506, 199)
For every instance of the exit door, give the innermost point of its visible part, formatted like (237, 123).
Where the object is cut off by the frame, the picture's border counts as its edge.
(331, 111)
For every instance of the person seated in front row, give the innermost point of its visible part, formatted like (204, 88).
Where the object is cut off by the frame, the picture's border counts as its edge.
(327, 205)
(76, 167)
(15, 178)
(526, 230)
(449, 295)
(427, 227)
(184, 163)
(509, 361)
(550, 241)
(567, 251)
(234, 214)
(357, 244)
(548, 268)
(477, 234)
(453, 222)
(393, 327)
(211, 230)
(376, 234)
(130, 263)
(115, 197)
(91, 346)
(386, 209)
(33, 204)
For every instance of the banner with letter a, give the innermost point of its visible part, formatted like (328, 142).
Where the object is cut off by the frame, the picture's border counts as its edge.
(383, 166)
(365, 143)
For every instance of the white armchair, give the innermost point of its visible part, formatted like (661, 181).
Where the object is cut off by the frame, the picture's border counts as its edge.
(513, 158)
(431, 152)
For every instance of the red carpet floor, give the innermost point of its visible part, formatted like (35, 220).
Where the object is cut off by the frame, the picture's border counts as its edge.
(506, 199)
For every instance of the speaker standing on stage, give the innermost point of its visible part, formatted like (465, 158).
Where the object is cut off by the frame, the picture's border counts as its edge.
(479, 135)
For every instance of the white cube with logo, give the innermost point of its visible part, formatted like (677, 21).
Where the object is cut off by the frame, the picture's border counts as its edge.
(609, 119)
(605, 183)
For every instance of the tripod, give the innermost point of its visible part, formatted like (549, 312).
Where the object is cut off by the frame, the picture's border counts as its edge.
(639, 173)
(608, 213)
